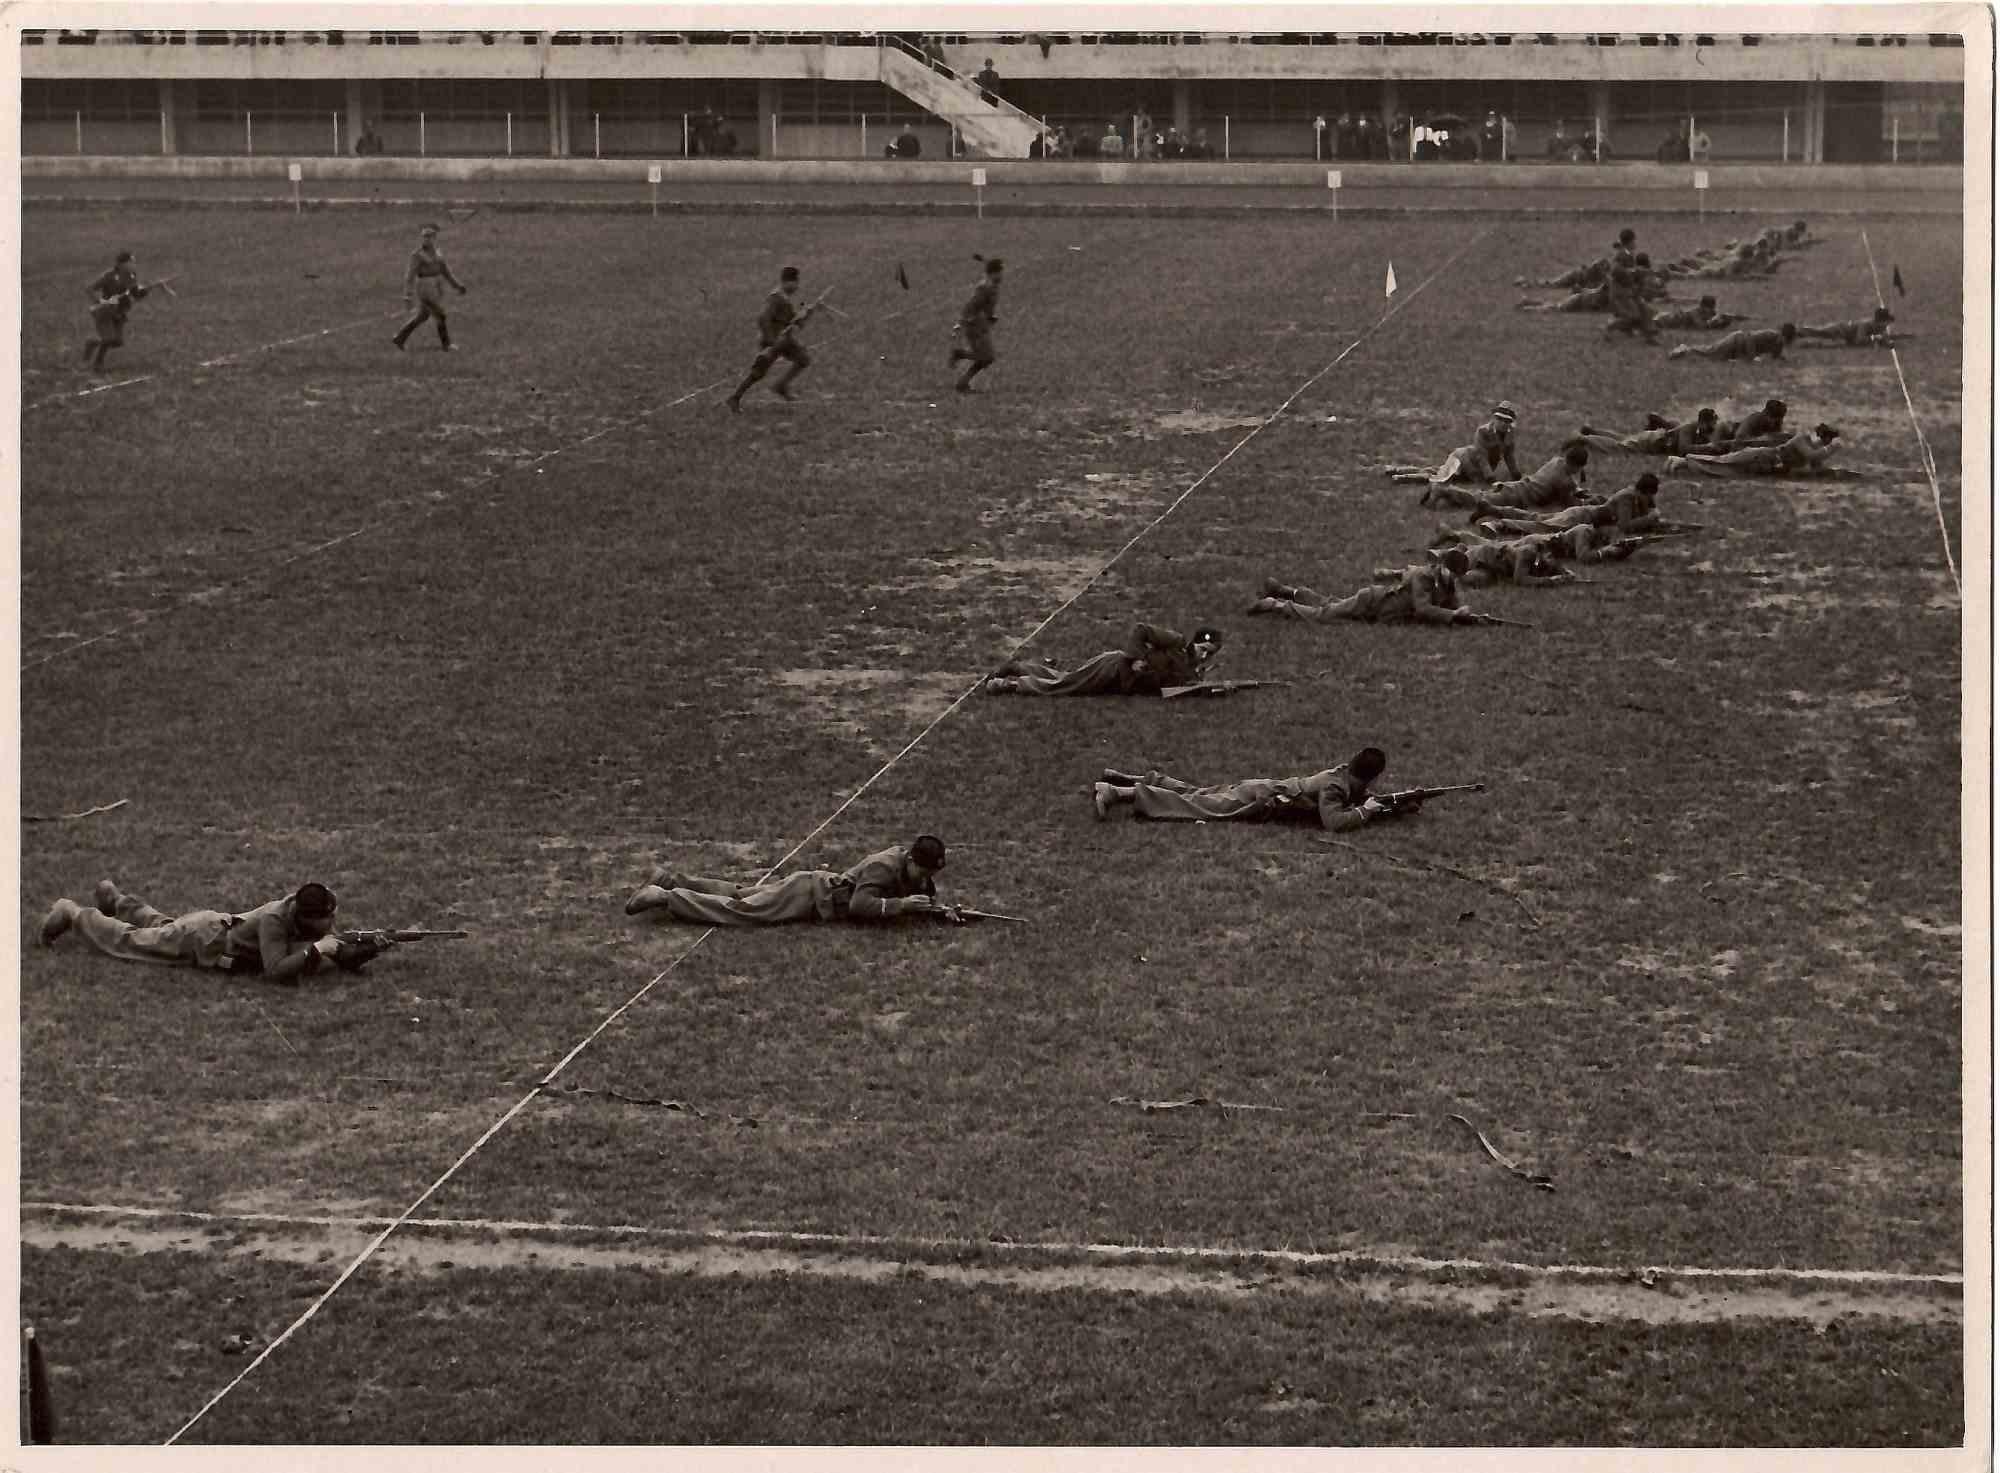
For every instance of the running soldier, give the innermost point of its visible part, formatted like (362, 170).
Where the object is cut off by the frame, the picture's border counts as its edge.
(975, 325)
(1763, 342)
(778, 334)
(111, 299)
(1856, 332)
(1492, 446)
(1804, 453)
(1426, 594)
(423, 287)
(1337, 797)
(1151, 659)
(888, 883)
(282, 940)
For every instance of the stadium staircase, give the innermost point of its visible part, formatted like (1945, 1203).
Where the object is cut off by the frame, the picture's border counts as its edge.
(994, 130)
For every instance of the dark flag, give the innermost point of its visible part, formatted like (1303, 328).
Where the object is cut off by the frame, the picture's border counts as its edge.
(1896, 275)
(901, 277)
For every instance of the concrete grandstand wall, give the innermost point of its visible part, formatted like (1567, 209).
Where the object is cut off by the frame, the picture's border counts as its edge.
(1830, 179)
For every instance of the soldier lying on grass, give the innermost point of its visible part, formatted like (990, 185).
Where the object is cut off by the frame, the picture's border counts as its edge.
(1425, 595)
(1855, 332)
(282, 940)
(1336, 796)
(888, 883)
(1803, 454)
(1658, 438)
(1557, 481)
(1151, 659)
(1630, 509)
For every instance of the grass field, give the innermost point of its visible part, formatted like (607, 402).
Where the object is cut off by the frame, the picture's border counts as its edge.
(478, 639)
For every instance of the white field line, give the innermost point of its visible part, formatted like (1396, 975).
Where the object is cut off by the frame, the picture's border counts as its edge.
(1923, 445)
(892, 1246)
(224, 361)
(375, 1243)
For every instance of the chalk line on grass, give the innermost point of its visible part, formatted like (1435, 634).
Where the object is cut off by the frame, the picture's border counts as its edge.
(224, 361)
(1923, 445)
(897, 1248)
(375, 1243)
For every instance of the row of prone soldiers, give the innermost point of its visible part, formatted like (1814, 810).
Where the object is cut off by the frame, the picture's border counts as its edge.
(1625, 283)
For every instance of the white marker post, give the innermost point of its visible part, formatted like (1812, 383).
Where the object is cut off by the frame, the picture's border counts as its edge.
(653, 178)
(295, 173)
(1333, 189)
(979, 192)
(1701, 190)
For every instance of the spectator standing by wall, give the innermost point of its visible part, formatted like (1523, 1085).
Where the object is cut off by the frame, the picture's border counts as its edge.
(989, 82)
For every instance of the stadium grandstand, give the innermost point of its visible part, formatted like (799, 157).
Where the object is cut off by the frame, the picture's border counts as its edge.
(1490, 98)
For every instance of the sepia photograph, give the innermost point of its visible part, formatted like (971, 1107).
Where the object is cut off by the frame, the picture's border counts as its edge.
(625, 631)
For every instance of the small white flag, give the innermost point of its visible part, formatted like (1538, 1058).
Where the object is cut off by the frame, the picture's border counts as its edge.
(1390, 289)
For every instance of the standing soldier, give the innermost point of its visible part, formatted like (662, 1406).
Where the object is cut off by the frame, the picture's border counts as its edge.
(777, 330)
(975, 325)
(111, 299)
(423, 287)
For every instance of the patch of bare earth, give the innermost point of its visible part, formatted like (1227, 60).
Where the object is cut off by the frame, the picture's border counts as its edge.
(1653, 1296)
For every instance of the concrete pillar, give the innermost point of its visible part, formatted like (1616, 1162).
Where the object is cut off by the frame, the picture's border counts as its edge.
(1815, 123)
(1600, 111)
(170, 140)
(1391, 104)
(1184, 105)
(767, 114)
(558, 118)
(353, 114)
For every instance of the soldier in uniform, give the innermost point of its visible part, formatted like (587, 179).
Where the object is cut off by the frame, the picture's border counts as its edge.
(111, 297)
(1855, 332)
(1763, 342)
(282, 940)
(1629, 509)
(1660, 437)
(975, 327)
(1151, 659)
(1590, 299)
(1426, 594)
(891, 882)
(423, 287)
(1336, 797)
(1806, 451)
(1557, 481)
(1701, 314)
(1492, 445)
(777, 335)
